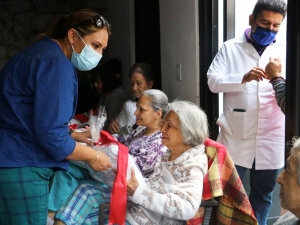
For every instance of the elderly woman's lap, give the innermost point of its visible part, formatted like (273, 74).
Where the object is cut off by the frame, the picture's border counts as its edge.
(82, 207)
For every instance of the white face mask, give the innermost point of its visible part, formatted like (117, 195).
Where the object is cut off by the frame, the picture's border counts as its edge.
(87, 59)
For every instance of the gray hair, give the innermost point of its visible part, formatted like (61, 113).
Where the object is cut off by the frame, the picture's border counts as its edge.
(295, 151)
(193, 122)
(277, 6)
(159, 100)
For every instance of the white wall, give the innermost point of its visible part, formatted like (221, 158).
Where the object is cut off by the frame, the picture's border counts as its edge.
(121, 44)
(242, 11)
(179, 45)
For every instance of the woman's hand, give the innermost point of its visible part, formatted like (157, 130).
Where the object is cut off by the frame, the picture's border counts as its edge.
(114, 127)
(100, 162)
(273, 68)
(132, 184)
(84, 136)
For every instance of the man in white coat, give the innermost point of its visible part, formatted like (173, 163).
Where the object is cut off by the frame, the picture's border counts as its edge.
(252, 124)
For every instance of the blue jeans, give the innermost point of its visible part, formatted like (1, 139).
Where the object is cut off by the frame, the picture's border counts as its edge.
(262, 183)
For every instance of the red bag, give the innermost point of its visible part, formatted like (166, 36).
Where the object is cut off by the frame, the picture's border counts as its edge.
(118, 199)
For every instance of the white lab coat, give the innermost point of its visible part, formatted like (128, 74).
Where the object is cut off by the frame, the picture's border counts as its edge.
(257, 133)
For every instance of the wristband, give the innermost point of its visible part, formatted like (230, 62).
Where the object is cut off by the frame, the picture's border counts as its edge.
(276, 78)
(70, 131)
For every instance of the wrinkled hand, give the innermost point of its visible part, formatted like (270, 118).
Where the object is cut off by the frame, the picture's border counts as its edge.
(114, 127)
(132, 184)
(84, 136)
(273, 68)
(100, 163)
(255, 73)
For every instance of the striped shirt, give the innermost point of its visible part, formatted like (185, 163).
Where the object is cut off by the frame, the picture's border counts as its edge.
(279, 88)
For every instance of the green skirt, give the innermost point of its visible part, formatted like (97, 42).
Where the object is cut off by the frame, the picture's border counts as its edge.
(24, 195)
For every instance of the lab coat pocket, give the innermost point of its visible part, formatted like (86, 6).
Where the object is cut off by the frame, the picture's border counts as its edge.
(238, 123)
(233, 124)
(224, 125)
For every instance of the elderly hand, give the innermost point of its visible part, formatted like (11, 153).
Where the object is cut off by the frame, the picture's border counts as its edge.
(132, 184)
(82, 137)
(273, 68)
(101, 162)
(255, 73)
(114, 127)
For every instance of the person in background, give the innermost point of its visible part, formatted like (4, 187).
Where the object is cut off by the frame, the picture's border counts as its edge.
(273, 71)
(141, 79)
(144, 144)
(289, 181)
(38, 96)
(107, 82)
(172, 193)
(252, 124)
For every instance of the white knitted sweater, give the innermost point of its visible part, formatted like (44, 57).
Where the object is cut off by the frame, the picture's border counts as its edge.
(172, 194)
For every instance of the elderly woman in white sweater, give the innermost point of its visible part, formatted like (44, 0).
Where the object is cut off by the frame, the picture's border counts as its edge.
(172, 194)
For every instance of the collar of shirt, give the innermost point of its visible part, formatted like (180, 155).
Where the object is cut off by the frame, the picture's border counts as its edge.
(259, 48)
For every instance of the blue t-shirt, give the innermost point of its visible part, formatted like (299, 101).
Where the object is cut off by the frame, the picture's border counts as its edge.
(38, 97)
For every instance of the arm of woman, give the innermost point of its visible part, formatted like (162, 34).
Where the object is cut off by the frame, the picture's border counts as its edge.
(54, 106)
(84, 137)
(113, 127)
(279, 88)
(97, 160)
(178, 201)
(273, 70)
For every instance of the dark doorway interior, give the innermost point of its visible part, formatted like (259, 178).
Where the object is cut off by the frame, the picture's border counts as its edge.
(208, 35)
(147, 35)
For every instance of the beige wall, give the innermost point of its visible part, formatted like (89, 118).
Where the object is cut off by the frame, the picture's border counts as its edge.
(122, 42)
(179, 45)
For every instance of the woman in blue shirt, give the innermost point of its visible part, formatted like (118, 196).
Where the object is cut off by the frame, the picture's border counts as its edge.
(38, 97)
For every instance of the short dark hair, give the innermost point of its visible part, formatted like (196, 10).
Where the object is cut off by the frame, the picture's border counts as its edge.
(143, 68)
(278, 6)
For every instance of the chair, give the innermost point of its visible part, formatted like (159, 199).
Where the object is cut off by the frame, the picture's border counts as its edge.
(207, 210)
(223, 192)
(205, 204)
(222, 183)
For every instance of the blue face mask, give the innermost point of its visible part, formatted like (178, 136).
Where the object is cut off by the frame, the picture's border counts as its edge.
(87, 59)
(263, 36)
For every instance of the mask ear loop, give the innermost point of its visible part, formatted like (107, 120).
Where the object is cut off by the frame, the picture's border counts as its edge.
(80, 37)
(85, 44)
(73, 48)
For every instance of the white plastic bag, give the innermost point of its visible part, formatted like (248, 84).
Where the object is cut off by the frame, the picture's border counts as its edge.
(96, 123)
(108, 176)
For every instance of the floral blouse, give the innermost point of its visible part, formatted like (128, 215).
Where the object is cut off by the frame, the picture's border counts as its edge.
(146, 150)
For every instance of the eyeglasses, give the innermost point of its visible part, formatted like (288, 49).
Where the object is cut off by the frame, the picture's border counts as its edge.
(98, 20)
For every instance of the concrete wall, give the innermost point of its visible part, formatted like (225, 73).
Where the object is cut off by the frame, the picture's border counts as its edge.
(121, 44)
(179, 45)
(22, 20)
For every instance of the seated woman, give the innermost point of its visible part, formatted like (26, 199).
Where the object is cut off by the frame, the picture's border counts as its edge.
(144, 145)
(172, 193)
(141, 79)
